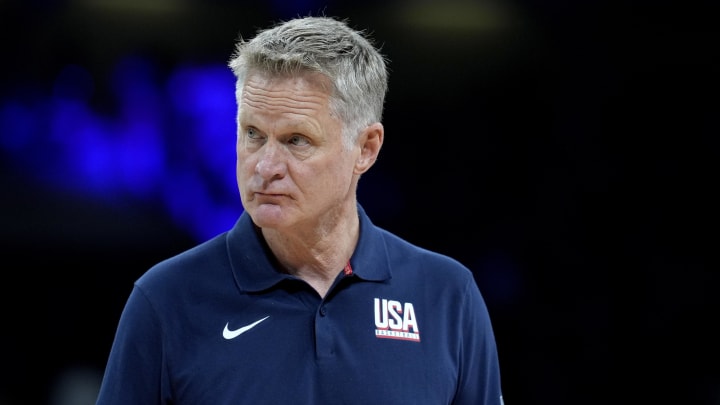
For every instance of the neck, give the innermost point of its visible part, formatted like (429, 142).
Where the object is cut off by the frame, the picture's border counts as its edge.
(318, 252)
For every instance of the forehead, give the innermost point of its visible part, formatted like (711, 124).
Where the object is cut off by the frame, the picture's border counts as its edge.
(264, 90)
(271, 101)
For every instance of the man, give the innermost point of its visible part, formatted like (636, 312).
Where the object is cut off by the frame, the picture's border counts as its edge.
(304, 300)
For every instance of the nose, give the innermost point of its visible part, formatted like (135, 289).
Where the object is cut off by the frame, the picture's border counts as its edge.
(271, 163)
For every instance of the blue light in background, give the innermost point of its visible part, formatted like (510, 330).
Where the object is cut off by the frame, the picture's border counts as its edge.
(169, 140)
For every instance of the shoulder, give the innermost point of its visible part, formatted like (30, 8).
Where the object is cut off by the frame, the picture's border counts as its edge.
(404, 255)
(186, 265)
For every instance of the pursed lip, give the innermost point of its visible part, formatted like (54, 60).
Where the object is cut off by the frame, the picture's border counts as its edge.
(268, 197)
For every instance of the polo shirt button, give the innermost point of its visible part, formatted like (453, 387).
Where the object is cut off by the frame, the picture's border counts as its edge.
(323, 310)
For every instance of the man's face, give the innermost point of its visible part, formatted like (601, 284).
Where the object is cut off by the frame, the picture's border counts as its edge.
(292, 168)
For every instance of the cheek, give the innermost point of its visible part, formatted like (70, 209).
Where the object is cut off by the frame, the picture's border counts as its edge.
(243, 165)
(339, 173)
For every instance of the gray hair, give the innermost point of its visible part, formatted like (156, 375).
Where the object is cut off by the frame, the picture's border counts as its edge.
(356, 69)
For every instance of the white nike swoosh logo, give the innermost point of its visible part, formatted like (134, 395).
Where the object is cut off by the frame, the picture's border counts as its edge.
(232, 334)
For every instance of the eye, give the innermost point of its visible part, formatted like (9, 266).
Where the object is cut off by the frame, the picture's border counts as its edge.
(252, 133)
(298, 140)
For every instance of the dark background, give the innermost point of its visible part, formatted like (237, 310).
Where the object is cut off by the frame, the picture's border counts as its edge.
(565, 151)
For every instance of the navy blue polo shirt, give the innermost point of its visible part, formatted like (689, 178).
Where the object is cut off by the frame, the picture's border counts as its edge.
(219, 324)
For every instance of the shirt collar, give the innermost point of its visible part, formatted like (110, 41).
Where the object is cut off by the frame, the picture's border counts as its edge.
(253, 265)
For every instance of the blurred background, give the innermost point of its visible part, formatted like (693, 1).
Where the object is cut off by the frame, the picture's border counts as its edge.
(565, 151)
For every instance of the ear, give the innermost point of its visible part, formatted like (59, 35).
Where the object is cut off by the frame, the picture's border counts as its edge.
(370, 141)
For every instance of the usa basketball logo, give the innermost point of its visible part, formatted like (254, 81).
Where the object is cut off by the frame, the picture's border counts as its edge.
(395, 320)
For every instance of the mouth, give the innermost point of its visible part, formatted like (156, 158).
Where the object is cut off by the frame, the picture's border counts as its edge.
(267, 197)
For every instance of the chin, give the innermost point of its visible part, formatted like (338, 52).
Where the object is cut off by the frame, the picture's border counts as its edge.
(268, 216)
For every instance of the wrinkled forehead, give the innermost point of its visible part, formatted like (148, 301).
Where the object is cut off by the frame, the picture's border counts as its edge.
(306, 78)
(263, 91)
(269, 91)
(272, 101)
